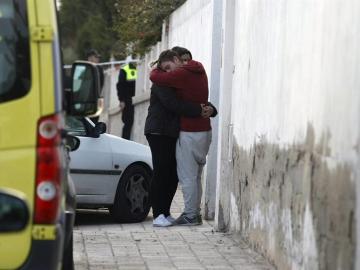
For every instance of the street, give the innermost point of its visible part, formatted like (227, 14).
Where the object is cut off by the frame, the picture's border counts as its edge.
(100, 243)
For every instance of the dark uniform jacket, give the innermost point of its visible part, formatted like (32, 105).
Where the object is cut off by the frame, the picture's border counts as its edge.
(125, 89)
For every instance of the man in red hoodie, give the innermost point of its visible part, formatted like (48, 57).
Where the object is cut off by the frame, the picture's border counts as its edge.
(191, 84)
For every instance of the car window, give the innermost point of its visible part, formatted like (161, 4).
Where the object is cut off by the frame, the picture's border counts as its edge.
(15, 74)
(75, 126)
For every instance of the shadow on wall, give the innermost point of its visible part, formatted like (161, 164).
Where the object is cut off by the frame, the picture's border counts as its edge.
(293, 205)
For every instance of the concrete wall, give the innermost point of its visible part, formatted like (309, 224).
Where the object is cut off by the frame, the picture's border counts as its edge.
(294, 120)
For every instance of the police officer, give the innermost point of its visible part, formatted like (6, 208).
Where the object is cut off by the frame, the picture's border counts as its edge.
(126, 90)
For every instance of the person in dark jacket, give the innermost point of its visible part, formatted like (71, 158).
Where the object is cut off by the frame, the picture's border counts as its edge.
(162, 127)
(126, 90)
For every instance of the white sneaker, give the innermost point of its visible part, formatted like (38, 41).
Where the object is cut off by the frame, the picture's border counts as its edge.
(170, 218)
(161, 221)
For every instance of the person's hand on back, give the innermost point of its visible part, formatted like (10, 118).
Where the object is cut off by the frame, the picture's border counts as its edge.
(207, 111)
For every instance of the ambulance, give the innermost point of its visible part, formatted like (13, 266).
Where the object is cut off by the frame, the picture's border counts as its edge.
(34, 147)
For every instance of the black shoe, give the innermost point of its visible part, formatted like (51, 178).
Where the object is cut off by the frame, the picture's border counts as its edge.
(183, 220)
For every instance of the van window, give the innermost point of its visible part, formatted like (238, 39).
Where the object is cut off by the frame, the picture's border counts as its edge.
(75, 126)
(15, 71)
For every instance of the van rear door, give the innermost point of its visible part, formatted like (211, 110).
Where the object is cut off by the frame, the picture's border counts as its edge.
(19, 112)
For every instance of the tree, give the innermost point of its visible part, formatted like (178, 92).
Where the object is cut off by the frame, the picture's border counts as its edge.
(87, 24)
(113, 27)
(139, 22)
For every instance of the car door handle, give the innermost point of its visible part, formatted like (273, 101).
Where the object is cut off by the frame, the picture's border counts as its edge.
(116, 166)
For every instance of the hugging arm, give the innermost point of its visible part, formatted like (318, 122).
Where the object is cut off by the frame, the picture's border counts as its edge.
(173, 78)
(168, 99)
(215, 112)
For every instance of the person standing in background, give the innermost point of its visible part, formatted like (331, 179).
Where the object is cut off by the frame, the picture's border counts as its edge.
(94, 57)
(126, 90)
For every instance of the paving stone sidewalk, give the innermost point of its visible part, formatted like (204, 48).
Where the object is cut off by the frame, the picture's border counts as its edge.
(99, 243)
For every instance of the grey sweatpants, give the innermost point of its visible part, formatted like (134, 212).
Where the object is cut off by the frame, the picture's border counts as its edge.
(191, 151)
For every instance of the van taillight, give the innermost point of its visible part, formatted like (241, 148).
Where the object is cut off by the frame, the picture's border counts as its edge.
(48, 170)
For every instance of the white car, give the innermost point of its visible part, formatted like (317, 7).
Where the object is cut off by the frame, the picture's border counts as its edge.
(109, 171)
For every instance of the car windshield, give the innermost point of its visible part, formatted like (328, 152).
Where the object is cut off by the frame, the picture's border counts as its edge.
(14, 50)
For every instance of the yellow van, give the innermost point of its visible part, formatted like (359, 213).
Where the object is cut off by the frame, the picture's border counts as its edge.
(33, 155)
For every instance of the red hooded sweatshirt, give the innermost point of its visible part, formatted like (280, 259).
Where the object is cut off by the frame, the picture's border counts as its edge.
(191, 84)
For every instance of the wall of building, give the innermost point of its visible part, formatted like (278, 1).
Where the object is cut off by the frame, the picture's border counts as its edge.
(294, 131)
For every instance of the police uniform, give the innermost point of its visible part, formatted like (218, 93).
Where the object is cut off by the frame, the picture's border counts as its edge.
(126, 90)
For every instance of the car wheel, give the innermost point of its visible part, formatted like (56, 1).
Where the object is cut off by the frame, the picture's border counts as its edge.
(132, 199)
(68, 259)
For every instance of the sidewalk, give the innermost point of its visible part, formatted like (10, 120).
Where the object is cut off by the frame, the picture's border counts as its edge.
(99, 243)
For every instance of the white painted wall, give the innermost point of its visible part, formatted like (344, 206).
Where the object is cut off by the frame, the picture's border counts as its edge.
(190, 26)
(224, 156)
(209, 194)
(297, 62)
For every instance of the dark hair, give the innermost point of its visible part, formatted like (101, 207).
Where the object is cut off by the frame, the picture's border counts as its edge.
(167, 55)
(93, 52)
(182, 51)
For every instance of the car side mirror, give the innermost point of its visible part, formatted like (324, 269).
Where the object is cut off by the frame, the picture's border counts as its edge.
(72, 142)
(99, 129)
(14, 212)
(85, 91)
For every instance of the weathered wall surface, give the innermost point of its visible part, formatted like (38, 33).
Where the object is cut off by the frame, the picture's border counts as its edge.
(295, 116)
(293, 206)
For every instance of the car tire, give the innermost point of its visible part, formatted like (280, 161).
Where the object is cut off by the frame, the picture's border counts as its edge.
(68, 259)
(132, 199)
